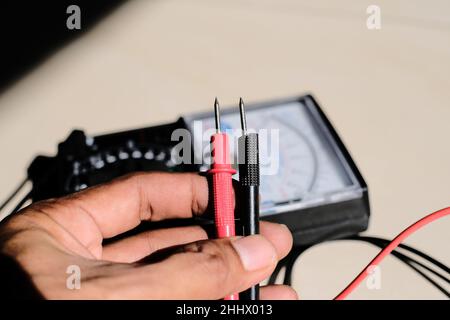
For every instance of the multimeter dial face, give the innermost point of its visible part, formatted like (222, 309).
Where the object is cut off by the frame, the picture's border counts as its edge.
(291, 181)
(299, 162)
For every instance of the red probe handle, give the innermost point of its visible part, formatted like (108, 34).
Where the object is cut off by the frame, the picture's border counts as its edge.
(223, 204)
(222, 172)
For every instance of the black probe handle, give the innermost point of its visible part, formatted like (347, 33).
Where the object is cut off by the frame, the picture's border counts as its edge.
(250, 205)
(249, 195)
(250, 222)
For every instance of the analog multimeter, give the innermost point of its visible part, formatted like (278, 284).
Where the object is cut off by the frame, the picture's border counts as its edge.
(308, 179)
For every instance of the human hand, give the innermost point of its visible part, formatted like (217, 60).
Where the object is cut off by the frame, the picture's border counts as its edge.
(48, 236)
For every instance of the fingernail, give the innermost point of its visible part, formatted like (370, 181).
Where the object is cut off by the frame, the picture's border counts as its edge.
(255, 252)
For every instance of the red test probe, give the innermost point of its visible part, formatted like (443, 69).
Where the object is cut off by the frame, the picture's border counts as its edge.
(222, 172)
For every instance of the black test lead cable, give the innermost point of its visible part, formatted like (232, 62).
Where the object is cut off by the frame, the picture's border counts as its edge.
(411, 262)
(13, 194)
(249, 188)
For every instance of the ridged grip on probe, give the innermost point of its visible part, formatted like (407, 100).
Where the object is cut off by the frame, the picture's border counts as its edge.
(222, 172)
(224, 211)
(249, 160)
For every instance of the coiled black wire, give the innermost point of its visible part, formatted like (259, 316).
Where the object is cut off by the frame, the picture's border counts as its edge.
(289, 261)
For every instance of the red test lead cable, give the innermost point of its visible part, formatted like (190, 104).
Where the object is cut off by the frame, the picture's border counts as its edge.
(222, 172)
(391, 246)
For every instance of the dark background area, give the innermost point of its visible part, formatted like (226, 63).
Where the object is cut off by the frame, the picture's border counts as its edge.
(32, 30)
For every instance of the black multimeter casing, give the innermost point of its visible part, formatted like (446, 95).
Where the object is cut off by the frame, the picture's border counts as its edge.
(350, 217)
(84, 161)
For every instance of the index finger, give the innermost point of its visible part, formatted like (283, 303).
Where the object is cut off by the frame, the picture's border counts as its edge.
(122, 204)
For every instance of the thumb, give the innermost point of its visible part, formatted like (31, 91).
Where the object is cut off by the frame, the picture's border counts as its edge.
(209, 269)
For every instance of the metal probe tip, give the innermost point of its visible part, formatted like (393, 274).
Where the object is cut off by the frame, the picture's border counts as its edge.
(243, 118)
(217, 114)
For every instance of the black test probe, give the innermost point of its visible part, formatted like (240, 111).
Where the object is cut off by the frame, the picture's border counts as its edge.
(249, 188)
